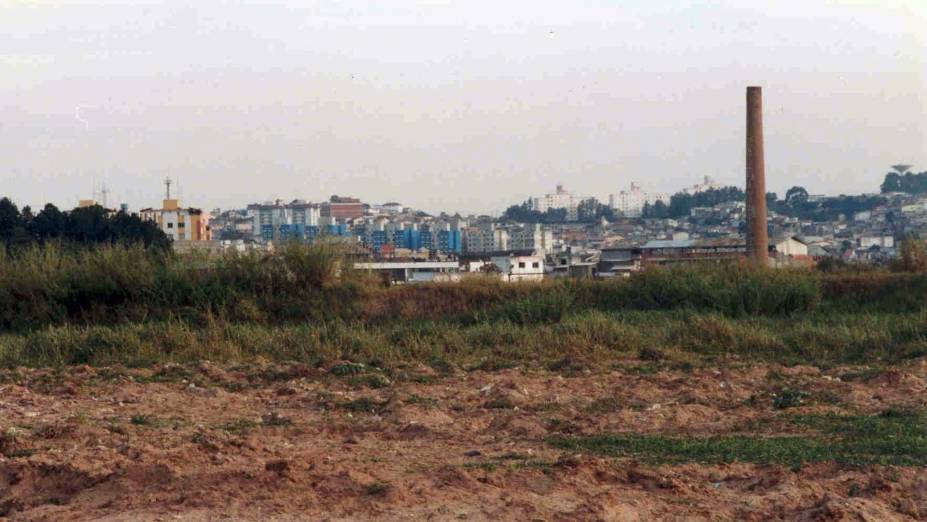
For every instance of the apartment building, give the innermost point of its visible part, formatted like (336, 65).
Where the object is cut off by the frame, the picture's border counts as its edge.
(561, 198)
(485, 237)
(531, 237)
(342, 208)
(180, 224)
(631, 202)
(273, 221)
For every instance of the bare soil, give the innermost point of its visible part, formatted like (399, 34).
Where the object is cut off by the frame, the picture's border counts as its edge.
(291, 442)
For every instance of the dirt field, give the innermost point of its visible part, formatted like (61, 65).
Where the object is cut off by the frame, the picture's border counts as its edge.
(290, 442)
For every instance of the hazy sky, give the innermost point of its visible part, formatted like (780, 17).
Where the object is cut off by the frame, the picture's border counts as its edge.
(467, 105)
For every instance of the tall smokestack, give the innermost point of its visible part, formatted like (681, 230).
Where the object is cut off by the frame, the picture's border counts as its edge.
(757, 239)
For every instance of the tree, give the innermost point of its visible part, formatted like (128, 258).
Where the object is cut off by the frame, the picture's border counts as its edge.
(81, 226)
(658, 210)
(796, 196)
(892, 183)
(10, 221)
(49, 223)
(908, 182)
(682, 203)
(591, 210)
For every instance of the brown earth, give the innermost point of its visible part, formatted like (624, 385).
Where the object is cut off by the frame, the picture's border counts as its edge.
(290, 442)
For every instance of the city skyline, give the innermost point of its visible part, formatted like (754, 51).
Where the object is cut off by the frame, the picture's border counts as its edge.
(244, 104)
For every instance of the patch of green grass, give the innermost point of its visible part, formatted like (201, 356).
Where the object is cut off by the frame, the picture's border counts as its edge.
(892, 438)
(141, 420)
(21, 453)
(418, 400)
(342, 370)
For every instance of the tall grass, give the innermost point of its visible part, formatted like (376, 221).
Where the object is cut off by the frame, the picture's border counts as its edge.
(591, 338)
(49, 286)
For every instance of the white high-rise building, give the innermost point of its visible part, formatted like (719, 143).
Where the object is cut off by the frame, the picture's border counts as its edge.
(559, 199)
(631, 202)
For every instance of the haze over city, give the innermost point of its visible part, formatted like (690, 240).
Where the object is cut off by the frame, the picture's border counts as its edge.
(457, 106)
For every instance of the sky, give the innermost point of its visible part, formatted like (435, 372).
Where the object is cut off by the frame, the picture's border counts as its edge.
(447, 105)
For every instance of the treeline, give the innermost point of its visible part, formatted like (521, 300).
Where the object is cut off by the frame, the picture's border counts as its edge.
(908, 182)
(682, 203)
(84, 226)
(588, 211)
(798, 204)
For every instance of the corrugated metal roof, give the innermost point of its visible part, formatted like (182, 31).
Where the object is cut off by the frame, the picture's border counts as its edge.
(669, 243)
(695, 243)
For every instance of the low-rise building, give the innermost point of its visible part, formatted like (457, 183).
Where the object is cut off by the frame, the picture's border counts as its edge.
(515, 268)
(413, 271)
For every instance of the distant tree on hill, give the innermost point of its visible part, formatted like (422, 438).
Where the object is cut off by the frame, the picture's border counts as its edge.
(523, 213)
(907, 182)
(796, 196)
(682, 203)
(658, 210)
(591, 210)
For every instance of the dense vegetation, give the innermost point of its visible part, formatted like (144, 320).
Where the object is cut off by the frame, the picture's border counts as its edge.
(81, 226)
(797, 204)
(588, 211)
(908, 182)
(682, 203)
(111, 304)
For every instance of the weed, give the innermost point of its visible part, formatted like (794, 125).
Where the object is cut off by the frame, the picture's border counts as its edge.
(485, 466)
(141, 420)
(604, 405)
(377, 488)
(418, 400)
(275, 419)
(648, 353)
(371, 380)
(789, 398)
(499, 403)
(362, 405)
(342, 370)
(861, 375)
(238, 426)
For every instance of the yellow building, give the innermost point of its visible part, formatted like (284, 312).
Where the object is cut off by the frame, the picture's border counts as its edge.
(180, 224)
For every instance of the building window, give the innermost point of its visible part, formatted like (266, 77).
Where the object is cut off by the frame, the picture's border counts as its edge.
(170, 225)
(534, 265)
(521, 264)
